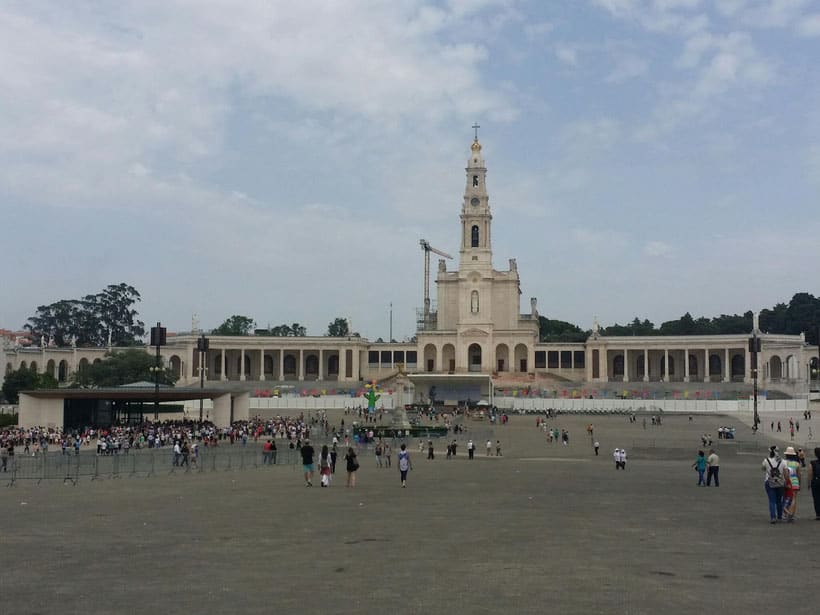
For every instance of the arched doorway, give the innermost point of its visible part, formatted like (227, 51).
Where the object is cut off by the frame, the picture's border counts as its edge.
(448, 354)
(474, 358)
(791, 368)
(50, 368)
(775, 368)
(715, 365)
(289, 365)
(618, 366)
(268, 367)
(333, 365)
(62, 371)
(312, 366)
(429, 358)
(175, 364)
(738, 366)
(502, 358)
(521, 358)
(33, 366)
(23, 365)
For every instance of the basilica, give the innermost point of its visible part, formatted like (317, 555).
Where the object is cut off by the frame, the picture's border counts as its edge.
(474, 336)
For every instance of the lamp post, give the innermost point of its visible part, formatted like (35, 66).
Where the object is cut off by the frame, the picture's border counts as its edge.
(202, 346)
(157, 339)
(754, 348)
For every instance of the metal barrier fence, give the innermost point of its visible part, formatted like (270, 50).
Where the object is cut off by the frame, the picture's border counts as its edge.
(161, 461)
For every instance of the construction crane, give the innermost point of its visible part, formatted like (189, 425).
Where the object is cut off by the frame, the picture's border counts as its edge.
(427, 249)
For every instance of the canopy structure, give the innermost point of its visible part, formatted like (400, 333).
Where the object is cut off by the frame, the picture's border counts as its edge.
(79, 408)
(454, 389)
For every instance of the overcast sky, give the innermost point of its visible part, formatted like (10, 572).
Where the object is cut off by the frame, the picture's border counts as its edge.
(281, 160)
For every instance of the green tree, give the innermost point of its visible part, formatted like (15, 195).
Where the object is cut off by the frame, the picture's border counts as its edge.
(338, 328)
(122, 367)
(560, 331)
(25, 379)
(297, 330)
(636, 327)
(91, 320)
(235, 325)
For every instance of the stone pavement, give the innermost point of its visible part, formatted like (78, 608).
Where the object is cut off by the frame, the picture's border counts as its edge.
(545, 528)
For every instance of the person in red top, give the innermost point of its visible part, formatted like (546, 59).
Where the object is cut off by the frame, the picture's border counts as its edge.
(267, 449)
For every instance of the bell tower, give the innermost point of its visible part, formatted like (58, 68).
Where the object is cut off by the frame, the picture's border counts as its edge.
(476, 251)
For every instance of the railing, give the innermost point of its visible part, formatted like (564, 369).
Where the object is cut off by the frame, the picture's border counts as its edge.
(146, 463)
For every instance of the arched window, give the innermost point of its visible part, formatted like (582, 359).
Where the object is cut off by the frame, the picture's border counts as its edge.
(474, 236)
(474, 302)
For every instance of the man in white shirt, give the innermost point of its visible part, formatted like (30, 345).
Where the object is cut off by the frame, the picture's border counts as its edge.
(177, 453)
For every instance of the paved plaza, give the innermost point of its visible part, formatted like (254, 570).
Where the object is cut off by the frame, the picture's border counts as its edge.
(545, 528)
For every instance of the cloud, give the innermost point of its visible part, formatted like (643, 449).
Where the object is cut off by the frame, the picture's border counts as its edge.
(809, 25)
(567, 54)
(627, 66)
(658, 248)
(90, 97)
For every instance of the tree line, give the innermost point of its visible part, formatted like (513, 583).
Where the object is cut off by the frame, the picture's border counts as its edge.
(800, 315)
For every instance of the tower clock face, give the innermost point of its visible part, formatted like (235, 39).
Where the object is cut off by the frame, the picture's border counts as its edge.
(474, 202)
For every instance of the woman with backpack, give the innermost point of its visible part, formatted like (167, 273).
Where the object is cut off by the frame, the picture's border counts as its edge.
(792, 484)
(775, 472)
(814, 482)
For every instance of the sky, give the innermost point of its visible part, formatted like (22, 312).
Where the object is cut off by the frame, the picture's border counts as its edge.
(281, 160)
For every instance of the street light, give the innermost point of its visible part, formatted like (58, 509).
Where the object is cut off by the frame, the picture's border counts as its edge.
(202, 346)
(754, 348)
(158, 338)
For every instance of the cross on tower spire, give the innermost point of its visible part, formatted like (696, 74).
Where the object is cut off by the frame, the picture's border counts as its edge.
(476, 127)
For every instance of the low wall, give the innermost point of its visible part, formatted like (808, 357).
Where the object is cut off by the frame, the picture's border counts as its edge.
(717, 406)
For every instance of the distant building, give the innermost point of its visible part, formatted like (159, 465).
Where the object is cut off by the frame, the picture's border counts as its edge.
(476, 328)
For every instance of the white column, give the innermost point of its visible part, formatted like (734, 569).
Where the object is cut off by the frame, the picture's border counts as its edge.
(747, 365)
(342, 364)
(262, 364)
(356, 359)
(281, 364)
(666, 365)
(300, 370)
(223, 374)
(706, 365)
(242, 363)
(646, 364)
(531, 358)
(320, 375)
(686, 365)
(726, 367)
(439, 359)
(603, 357)
(626, 365)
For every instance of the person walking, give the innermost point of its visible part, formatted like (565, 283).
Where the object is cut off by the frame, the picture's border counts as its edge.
(430, 453)
(498, 448)
(712, 468)
(388, 455)
(774, 481)
(814, 482)
(404, 464)
(596, 446)
(324, 466)
(470, 449)
(489, 447)
(700, 466)
(352, 466)
(307, 453)
(379, 454)
(792, 485)
(616, 455)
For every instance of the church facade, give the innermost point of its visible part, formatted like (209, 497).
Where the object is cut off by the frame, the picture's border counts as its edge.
(476, 327)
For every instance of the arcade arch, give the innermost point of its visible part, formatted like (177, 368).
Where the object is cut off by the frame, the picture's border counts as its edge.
(474, 357)
(502, 358)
